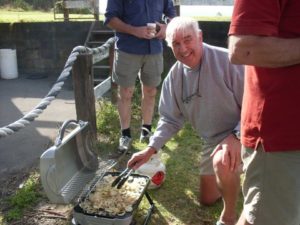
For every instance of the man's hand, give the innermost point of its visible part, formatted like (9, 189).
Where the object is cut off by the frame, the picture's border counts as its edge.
(139, 158)
(161, 34)
(231, 152)
(143, 32)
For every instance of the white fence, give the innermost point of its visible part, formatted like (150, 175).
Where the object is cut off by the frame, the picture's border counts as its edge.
(184, 2)
(205, 2)
(196, 7)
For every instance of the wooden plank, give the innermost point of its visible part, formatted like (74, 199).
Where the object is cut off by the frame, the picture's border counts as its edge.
(102, 88)
(78, 4)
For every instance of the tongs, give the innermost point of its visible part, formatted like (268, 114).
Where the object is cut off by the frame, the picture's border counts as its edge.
(122, 178)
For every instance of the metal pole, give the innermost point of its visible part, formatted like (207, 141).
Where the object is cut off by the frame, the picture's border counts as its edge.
(114, 86)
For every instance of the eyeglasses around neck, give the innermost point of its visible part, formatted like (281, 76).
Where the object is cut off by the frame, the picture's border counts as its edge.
(189, 98)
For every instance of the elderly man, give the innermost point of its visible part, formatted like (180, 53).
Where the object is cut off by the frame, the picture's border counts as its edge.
(205, 89)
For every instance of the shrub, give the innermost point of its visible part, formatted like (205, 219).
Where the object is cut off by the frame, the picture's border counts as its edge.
(108, 120)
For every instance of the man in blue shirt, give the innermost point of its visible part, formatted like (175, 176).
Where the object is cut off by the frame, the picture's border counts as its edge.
(138, 53)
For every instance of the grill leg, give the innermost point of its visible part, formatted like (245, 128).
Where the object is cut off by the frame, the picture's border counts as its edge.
(74, 222)
(150, 210)
(133, 222)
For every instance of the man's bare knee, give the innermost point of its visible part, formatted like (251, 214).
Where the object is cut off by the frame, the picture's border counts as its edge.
(149, 92)
(126, 94)
(219, 168)
(208, 200)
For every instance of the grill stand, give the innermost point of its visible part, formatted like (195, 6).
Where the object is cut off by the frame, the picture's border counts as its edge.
(150, 210)
(148, 216)
(69, 168)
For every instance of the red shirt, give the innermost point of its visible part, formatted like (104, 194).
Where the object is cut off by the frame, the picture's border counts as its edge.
(271, 104)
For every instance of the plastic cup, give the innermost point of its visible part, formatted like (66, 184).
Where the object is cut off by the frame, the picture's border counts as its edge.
(152, 27)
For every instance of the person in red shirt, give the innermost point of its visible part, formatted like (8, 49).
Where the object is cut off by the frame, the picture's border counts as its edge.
(264, 35)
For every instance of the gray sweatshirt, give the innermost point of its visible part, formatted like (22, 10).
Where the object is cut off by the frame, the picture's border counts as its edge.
(214, 108)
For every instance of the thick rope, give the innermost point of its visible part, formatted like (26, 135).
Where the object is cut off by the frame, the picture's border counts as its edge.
(34, 113)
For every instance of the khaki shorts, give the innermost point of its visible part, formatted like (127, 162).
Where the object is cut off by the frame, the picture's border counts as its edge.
(272, 187)
(127, 67)
(206, 164)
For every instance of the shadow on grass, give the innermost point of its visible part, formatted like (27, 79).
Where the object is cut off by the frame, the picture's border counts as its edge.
(176, 200)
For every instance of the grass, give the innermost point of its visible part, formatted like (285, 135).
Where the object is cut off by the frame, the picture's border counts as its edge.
(13, 16)
(24, 198)
(177, 199)
(20, 16)
(8, 15)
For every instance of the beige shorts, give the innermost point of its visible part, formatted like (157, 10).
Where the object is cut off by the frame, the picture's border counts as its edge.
(272, 187)
(206, 164)
(127, 67)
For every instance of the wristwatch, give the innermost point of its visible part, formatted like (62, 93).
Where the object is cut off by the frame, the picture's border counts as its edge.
(237, 134)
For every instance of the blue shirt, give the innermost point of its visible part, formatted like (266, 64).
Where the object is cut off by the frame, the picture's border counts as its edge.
(138, 13)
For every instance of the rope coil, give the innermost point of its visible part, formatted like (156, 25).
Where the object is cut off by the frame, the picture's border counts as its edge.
(56, 88)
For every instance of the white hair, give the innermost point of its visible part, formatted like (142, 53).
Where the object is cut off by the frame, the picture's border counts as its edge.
(181, 24)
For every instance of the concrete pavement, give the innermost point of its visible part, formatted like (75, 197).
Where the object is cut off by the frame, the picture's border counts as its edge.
(22, 150)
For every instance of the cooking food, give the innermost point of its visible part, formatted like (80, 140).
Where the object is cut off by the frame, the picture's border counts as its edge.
(105, 200)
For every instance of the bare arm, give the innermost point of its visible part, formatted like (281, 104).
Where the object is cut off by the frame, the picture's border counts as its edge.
(141, 157)
(141, 32)
(263, 51)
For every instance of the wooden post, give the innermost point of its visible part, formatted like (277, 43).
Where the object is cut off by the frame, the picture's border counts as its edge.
(114, 86)
(176, 3)
(96, 9)
(66, 11)
(177, 7)
(84, 92)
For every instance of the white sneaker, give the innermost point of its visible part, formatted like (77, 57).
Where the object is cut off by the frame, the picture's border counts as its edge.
(145, 138)
(124, 143)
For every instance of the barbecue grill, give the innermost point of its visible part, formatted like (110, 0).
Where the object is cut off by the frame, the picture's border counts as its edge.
(71, 172)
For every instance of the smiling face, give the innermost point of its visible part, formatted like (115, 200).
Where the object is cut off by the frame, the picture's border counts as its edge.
(187, 47)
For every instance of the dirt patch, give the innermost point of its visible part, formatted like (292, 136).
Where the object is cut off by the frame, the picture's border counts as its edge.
(42, 213)
(46, 214)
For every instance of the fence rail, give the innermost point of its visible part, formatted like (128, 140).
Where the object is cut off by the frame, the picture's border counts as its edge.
(65, 6)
